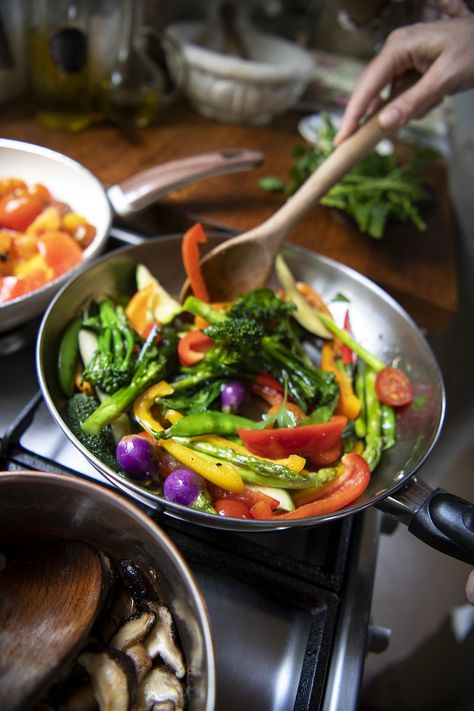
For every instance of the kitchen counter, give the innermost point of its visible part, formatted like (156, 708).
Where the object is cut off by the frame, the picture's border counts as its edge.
(416, 268)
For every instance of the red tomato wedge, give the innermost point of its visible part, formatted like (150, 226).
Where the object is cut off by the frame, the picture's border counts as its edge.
(247, 496)
(12, 287)
(340, 493)
(393, 387)
(234, 509)
(191, 260)
(19, 209)
(193, 346)
(60, 251)
(306, 440)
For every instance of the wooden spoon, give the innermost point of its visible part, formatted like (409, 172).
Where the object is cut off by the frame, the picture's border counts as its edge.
(245, 262)
(49, 599)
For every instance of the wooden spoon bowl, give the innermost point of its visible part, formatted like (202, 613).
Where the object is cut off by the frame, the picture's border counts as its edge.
(245, 262)
(50, 597)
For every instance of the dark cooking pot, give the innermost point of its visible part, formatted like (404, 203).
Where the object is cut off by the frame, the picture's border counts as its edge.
(380, 324)
(40, 506)
(70, 182)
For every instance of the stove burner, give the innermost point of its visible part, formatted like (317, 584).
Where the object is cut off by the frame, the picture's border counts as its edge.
(18, 338)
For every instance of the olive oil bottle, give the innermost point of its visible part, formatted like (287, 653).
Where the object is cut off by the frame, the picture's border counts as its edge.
(59, 58)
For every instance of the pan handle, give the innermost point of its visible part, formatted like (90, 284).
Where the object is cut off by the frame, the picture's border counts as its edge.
(441, 519)
(141, 190)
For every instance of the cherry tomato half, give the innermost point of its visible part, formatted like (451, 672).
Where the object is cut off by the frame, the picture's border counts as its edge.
(393, 387)
(234, 509)
(20, 208)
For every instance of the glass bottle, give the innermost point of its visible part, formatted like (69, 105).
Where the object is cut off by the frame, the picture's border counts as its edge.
(59, 63)
(130, 95)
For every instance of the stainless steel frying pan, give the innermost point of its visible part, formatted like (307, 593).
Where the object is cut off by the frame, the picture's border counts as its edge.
(379, 323)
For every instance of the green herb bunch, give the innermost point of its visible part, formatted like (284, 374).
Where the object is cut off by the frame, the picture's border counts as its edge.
(377, 190)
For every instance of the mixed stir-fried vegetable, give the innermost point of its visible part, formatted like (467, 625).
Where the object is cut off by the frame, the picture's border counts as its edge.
(219, 406)
(40, 238)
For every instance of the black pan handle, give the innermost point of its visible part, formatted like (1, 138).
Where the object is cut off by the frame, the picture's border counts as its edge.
(442, 520)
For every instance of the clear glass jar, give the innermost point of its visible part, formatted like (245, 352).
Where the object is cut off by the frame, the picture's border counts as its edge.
(130, 95)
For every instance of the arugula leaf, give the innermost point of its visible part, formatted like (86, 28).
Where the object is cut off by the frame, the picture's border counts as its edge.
(374, 192)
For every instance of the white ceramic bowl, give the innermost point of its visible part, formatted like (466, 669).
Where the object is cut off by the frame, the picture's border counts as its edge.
(236, 90)
(69, 182)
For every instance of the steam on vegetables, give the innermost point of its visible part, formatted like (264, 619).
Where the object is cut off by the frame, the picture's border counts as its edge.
(219, 407)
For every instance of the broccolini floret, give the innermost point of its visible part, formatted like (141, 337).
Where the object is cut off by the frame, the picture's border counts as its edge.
(153, 363)
(102, 445)
(245, 346)
(112, 365)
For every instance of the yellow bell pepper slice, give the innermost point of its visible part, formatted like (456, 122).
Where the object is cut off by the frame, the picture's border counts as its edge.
(349, 404)
(220, 473)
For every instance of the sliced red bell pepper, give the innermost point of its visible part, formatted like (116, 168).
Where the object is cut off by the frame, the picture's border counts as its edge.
(193, 346)
(191, 260)
(269, 389)
(306, 440)
(350, 485)
(347, 354)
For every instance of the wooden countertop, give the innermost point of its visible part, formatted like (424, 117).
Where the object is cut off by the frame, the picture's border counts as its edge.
(416, 268)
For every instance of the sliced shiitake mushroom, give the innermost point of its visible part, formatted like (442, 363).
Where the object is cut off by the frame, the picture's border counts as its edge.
(141, 660)
(133, 630)
(136, 582)
(113, 678)
(162, 640)
(160, 690)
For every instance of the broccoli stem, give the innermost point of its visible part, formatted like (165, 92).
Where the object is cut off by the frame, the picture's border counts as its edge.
(200, 308)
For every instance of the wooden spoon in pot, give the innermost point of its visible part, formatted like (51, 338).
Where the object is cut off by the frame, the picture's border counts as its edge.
(245, 262)
(49, 599)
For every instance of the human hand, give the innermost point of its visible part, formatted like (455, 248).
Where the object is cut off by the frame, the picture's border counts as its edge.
(442, 52)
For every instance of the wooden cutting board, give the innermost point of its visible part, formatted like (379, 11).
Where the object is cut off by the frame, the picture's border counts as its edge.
(416, 268)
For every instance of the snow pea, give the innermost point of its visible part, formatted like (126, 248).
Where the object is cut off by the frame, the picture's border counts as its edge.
(68, 356)
(203, 423)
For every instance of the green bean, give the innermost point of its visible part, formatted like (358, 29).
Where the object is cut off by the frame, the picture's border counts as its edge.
(68, 356)
(388, 426)
(359, 389)
(373, 439)
(203, 423)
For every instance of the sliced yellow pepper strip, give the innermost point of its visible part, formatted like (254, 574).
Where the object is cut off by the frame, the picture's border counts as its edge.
(220, 473)
(349, 404)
